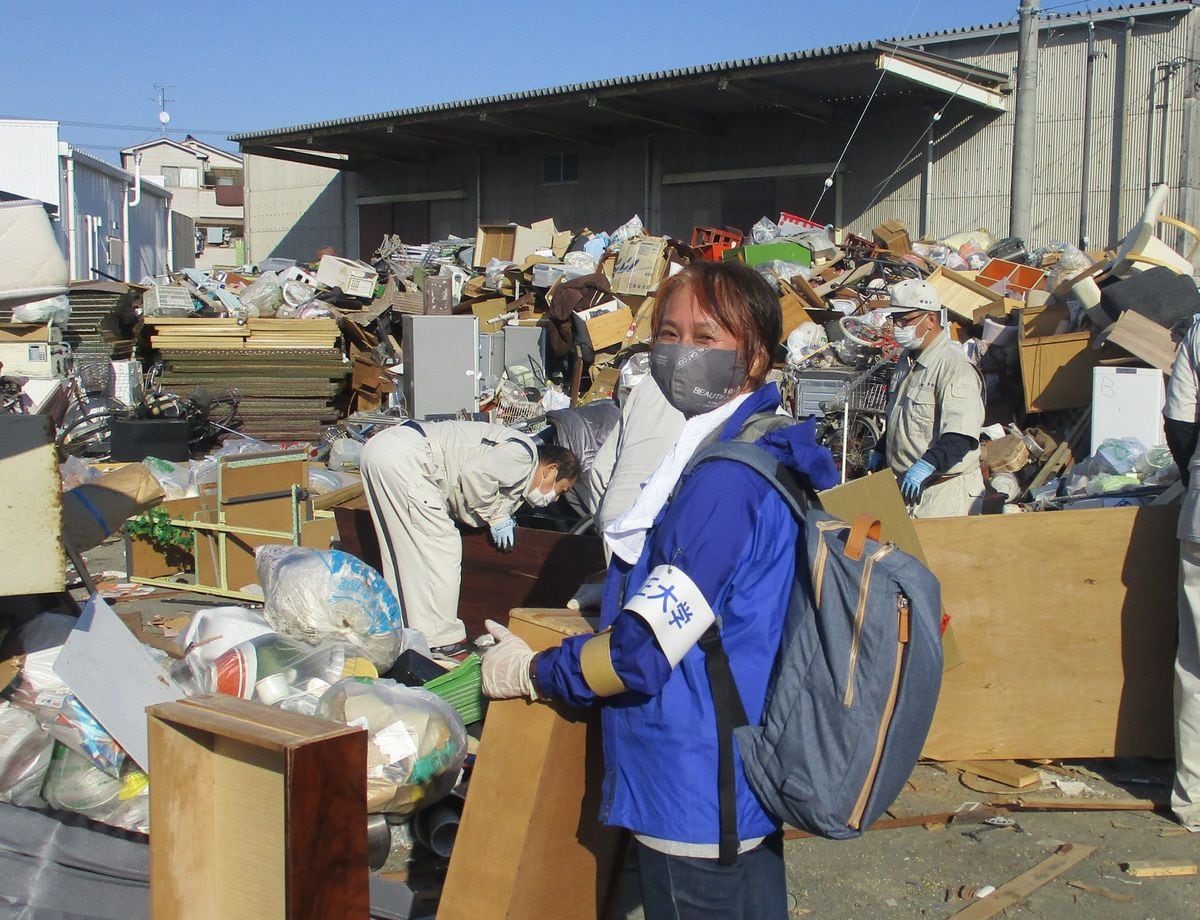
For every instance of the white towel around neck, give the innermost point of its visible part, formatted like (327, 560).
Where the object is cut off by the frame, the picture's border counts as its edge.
(626, 536)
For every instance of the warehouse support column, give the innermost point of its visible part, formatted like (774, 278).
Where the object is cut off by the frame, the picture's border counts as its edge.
(1189, 169)
(1020, 221)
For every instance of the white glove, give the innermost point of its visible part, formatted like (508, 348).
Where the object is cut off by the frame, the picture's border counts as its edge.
(588, 597)
(506, 665)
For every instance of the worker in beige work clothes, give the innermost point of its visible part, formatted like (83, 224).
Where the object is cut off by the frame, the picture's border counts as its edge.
(934, 410)
(1182, 424)
(420, 478)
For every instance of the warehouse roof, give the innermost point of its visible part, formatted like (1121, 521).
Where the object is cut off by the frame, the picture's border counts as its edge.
(589, 112)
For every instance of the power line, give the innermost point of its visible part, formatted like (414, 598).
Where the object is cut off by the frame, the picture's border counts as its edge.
(140, 128)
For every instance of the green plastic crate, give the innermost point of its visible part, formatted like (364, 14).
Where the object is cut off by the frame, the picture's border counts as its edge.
(757, 253)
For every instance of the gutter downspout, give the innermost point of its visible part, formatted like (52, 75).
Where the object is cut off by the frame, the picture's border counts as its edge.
(72, 217)
(1085, 172)
(927, 179)
(1189, 170)
(126, 249)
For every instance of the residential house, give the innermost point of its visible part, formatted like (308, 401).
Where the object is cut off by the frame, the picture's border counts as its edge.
(205, 183)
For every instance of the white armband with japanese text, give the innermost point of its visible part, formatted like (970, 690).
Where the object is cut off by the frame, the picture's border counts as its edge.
(675, 610)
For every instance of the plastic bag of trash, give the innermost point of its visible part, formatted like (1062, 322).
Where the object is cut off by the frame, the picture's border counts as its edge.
(275, 670)
(764, 231)
(55, 310)
(1071, 261)
(328, 595)
(175, 478)
(786, 271)
(973, 253)
(74, 784)
(1119, 455)
(416, 742)
(76, 472)
(264, 297)
(24, 756)
(804, 341)
(627, 231)
(581, 260)
(493, 273)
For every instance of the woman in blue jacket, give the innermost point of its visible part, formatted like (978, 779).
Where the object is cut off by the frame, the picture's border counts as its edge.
(717, 546)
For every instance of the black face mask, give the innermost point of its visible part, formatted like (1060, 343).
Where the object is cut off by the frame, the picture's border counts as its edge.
(696, 380)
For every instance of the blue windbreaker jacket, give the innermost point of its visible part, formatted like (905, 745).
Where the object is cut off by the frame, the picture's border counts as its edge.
(729, 531)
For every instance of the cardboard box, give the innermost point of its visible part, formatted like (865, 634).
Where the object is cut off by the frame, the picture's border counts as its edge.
(892, 235)
(257, 812)
(609, 326)
(509, 243)
(640, 265)
(356, 279)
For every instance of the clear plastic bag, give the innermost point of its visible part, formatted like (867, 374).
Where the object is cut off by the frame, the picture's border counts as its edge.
(328, 595)
(804, 341)
(1119, 455)
(764, 231)
(276, 670)
(264, 297)
(25, 748)
(416, 741)
(175, 478)
(627, 231)
(74, 784)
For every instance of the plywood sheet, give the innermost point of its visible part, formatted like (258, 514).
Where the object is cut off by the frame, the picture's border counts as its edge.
(1066, 622)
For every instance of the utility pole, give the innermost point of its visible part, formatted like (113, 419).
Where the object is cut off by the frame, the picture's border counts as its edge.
(1020, 221)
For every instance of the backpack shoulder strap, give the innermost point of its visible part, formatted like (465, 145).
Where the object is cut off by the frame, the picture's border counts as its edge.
(727, 701)
(759, 460)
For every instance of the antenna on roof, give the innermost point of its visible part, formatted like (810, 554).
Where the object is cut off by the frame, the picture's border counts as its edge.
(164, 117)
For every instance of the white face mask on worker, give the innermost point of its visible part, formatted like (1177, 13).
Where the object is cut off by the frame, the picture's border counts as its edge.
(540, 499)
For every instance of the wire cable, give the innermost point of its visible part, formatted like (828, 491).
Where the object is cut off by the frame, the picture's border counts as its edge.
(828, 184)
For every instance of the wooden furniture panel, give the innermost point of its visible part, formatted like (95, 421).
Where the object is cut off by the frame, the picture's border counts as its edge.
(255, 813)
(530, 844)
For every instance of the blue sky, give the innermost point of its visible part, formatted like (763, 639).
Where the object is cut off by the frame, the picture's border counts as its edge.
(251, 66)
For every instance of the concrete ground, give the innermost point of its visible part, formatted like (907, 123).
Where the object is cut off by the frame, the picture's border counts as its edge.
(923, 870)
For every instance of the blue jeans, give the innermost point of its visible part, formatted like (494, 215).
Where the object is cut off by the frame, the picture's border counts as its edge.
(688, 888)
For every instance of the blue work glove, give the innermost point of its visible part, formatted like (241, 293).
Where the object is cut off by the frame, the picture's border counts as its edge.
(504, 535)
(910, 485)
(875, 461)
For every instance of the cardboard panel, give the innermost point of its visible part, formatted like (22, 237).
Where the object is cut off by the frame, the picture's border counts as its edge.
(530, 844)
(31, 514)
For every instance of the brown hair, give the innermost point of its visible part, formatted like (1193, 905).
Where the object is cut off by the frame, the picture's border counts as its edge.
(739, 299)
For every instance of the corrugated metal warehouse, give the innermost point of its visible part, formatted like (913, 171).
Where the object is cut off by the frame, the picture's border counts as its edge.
(723, 144)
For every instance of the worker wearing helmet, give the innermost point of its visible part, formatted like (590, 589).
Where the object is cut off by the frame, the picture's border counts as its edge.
(934, 410)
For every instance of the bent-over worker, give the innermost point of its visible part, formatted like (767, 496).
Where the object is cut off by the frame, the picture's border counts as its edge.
(420, 478)
(1182, 424)
(934, 410)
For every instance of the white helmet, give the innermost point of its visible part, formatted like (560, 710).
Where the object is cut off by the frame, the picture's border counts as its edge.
(915, 294)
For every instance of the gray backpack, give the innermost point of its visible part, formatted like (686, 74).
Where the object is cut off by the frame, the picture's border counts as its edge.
(855, 682)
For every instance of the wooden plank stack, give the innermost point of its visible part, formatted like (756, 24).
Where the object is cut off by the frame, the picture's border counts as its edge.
(291, 374)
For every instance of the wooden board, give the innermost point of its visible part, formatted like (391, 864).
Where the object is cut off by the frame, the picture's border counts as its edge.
(256, 813)
(1142, 338)
(1147, 869)
(1011, 893)
(1066, 622)
(1056, 368)
(31, 507)
(965, 298)
(1000, 771)
(530, 845)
